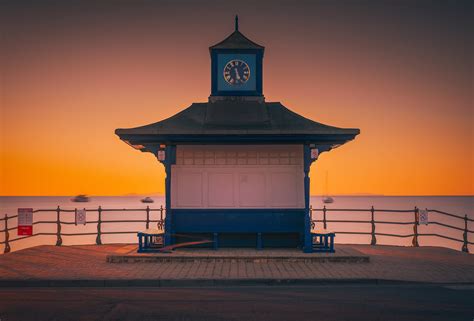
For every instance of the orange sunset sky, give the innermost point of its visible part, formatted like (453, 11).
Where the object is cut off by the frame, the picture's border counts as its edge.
(74, 71)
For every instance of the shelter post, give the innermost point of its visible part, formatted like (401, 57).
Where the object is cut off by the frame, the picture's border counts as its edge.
(308, 244)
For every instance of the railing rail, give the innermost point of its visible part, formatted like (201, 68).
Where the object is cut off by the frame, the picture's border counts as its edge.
(415, 223)
(373, 222)
(58, 223)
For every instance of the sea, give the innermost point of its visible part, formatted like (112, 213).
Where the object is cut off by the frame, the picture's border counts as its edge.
(457, 205)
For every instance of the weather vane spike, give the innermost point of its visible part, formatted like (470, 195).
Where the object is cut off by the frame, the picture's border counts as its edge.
(236, 23)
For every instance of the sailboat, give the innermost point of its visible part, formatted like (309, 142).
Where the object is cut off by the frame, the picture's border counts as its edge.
(326, 198)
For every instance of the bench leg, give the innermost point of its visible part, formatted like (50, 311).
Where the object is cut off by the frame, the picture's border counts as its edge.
(140, 243)
(216, 241)
(331, 244)
(259, 241)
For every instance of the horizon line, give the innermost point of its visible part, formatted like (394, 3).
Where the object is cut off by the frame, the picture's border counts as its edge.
(311, 195)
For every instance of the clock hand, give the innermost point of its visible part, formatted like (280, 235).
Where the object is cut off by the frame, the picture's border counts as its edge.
(237, 74)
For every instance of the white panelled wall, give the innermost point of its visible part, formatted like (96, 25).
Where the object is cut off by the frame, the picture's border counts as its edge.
(240, 176)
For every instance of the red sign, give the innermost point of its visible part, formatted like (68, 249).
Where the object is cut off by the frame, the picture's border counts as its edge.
(25, 221)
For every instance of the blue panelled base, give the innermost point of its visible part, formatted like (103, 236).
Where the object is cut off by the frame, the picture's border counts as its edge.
(255, 228)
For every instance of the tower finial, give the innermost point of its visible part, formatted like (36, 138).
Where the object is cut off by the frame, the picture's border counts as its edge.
(236, 23)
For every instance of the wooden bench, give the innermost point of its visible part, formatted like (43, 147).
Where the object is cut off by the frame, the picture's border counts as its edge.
(150, 240)
(323, 241)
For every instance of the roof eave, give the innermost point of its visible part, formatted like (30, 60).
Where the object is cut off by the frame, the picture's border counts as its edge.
(143, 139)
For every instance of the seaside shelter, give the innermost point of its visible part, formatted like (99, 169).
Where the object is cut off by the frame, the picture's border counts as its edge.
(237, 167)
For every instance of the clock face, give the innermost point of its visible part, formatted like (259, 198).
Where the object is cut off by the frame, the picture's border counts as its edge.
(236, 72)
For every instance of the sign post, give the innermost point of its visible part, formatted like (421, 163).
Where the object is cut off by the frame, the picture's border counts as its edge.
(25, 221)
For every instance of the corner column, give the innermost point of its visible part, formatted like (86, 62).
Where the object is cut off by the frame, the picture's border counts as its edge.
(308, 244)
(170, 159)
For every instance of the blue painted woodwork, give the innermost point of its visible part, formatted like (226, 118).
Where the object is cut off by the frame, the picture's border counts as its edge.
(308, 246)
(242, 227)
(170, 159)
(150, 242)
(238, 220)
(216, 73)
(216, 240)
(323, 242)
(323, 142)
(259, 241)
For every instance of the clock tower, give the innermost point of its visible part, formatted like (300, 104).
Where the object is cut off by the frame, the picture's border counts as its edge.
(236, 68)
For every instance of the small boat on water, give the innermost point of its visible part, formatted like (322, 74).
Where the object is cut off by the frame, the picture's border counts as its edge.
(81, 198)
(147, 200)
(326, 198)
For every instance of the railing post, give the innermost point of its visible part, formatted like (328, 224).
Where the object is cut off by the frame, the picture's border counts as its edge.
(98, 241)
(464, 246)
(59, 240)
(313, 224)
(372, 222)
(160, 223)
(324, 217)
(147, 217)
(415, 229)
(7, 236)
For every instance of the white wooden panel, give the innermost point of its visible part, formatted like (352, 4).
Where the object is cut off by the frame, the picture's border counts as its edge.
(220, 189)
(252, 189)
(284, 189)
(263, 176)
(189, 189)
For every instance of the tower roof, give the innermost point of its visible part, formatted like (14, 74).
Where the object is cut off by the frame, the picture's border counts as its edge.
(236, 40)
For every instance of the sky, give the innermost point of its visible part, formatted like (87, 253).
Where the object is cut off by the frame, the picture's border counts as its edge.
(74, 71)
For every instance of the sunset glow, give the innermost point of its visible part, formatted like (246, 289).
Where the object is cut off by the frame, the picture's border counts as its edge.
(71, 76)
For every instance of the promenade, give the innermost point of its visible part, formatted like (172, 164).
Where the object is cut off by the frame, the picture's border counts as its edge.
(87, 265)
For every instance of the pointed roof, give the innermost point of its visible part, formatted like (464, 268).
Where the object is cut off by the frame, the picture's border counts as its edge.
(237, 40)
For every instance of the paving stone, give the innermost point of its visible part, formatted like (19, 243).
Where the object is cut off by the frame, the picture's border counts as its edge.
(81, 265)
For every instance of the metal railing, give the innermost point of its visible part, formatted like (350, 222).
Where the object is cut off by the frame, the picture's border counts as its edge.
(58, 223)
(160, 224)
(415, 223)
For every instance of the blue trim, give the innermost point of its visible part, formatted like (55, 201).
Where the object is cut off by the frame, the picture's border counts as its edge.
(319, 140)
(251, 138)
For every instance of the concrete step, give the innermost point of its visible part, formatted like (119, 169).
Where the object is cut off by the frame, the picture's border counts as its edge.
(345, 255)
